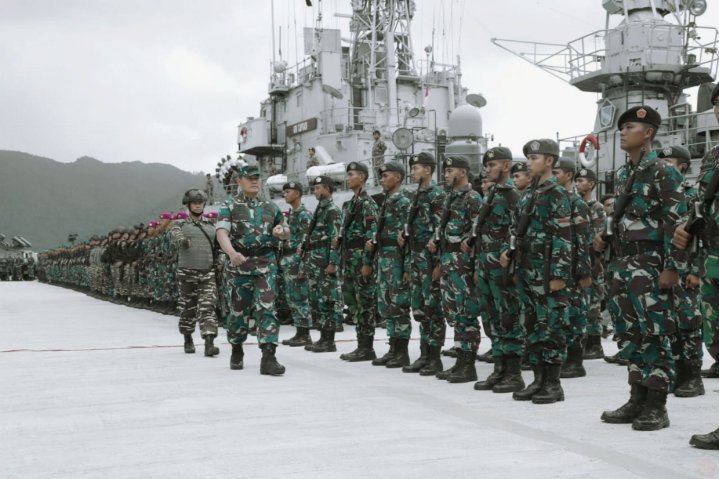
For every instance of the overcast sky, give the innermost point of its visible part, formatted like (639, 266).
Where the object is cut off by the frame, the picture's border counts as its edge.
(169, 80)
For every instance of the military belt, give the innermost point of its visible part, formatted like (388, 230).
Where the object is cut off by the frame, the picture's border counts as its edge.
(314, 245)
(417, 246)
(532, 248)
(632, 248)
(384, 242)
(447, 247)
(356, 243)
(254, 251)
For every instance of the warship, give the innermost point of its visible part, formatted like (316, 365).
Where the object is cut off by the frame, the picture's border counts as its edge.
(649, 53)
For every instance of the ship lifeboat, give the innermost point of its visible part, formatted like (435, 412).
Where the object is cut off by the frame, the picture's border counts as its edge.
(275, 183)
(336, 171)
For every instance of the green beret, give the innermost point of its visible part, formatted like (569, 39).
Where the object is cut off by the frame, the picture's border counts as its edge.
(323, 180)
(391, 166)
(640, 114)
(356, 166)
(587, 173)
(566, 164)
(497, 153)
(249, 170)
(519, 166)
(292, 185)
(456, 162)
(541, 146)
(423, 158)
(715, 92)
(678, 152)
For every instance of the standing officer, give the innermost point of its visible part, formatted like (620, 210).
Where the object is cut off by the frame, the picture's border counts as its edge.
(296, 286)
(425, 295)
(687, 342)
(586, 182)
(457, 283)
(520, 177)
(358, 286)
(392, 266)
(645, 269)
(498, 300)
(543, 239)
(245, 228)
(320, 263)
(194, 237)
(378, 149)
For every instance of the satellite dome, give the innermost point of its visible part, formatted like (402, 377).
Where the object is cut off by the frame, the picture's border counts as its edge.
(465, 121)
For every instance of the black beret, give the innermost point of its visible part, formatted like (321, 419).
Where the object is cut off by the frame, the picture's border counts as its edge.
(456, 162)
(323, 180)
(640, 114)
(356, 166)
(391, 166)
(497, 153)
(678, 152)
(715, 92)
(541, 146)
(423, 158)
(566, 164)
(292, 185)
(587, 173)
(519, 166)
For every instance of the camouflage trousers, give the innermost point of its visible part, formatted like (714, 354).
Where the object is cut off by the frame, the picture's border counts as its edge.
(358, 293)
(710, 314)
(197, 297)
(393, 293)
(546, 318)
(459, 302)
(647, 323)
(297, 291)
(593, 297)
(324, 299)
(687, 342)
(499, 304)
(95, 273)
(426, 299)
(251, 301)
(116, 270)
(576, 315)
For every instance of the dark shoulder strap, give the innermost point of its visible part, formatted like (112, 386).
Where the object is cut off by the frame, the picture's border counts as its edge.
(212, 243)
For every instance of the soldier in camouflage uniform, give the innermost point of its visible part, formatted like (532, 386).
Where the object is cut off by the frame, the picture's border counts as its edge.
(580, 271)
(520, 177)
(646, 267)
(425, 294)
(320, 263)
(378, 149)
(710, 256)
(392, 266)
(194, 238)
(457, 267)
(687, 342)
(358, 277)
(245, 229)
(586, 181)
(543, 237)
(297, 290)
(499, 301)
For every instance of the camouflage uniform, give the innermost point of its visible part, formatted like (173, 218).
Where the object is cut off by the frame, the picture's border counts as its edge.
(378, 149)
(296, 285)
(597, 223)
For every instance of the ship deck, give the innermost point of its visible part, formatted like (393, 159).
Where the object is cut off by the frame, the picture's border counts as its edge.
(94, 389)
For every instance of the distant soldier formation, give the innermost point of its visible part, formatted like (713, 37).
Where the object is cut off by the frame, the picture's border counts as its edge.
(17, 262)
(529, 256)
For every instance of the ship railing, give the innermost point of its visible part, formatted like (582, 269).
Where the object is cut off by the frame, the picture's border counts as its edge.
(347, 119)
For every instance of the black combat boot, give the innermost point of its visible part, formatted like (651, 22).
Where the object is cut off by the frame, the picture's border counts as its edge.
(512, 380)
(527, 393)
(593, 349)
(692, 385)
(574, 367)
(189, 344)
(448, 372)
(551, 390)
(388, 355)
(450, 352)
(269, 365)
(500, 365)
(324, 346)
(354, 352)
(421, 361)
(339, 327)
(434, 362)
(486, 357)
(526, 365)
(467, 371)
(236, 360)
(712, 372)
(401, 354)
(210, 348)
(301, 338)
(319, 344)
(654, 413)
(706, 441)
(364, 351)
(629, 411)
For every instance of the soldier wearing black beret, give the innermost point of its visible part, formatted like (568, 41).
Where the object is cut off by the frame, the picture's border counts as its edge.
(641, 114)
(520, 176)
(677, 156)
(392, 166)
(293, 185)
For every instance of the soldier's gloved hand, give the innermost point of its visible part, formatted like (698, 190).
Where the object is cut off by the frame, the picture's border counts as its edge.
(185, 242)
(598, 243)
(400, 240)
(585, 282)
(556, 285)
(432, 246)
(504, 260)
(692, 281)
(681, 238)
(668, 278)
(366, 271)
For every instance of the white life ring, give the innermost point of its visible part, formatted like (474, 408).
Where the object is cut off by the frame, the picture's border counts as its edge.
(583, 148)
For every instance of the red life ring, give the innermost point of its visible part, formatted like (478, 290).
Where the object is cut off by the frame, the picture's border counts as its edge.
(583, 148)
(243, 133)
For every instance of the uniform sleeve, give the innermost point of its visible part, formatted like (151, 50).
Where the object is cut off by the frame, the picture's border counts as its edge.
(369, 216)
(674, 208)
(334, 221)
(223, 218)
(583, 230)
(560, 267)
(176, 234)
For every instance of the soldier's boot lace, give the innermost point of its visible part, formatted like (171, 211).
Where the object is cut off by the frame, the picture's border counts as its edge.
(301, 338)
(551, 390)
(574, 367)
(236, 359)
(629, 411)
(654, 413)
(401, 354)
(210, 348)
(593, 349)
(189, 344)
(434, 362)
(500, 366)
(269, 365)
(467, 372)
(382, 361)
(706, 441)
(512, 380)
(692, 385)
(421, 361)
(527, 393)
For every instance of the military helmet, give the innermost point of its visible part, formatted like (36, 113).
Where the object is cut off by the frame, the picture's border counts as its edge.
(194, 196)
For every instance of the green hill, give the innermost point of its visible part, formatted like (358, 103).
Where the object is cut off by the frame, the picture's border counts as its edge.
(44, 200)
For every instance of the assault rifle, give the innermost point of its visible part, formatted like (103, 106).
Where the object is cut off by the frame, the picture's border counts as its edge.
(482, 216)
(380, 227)
(522, 226)
(306, 240)
(412, 215)
(348, 219)
(697, 221)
